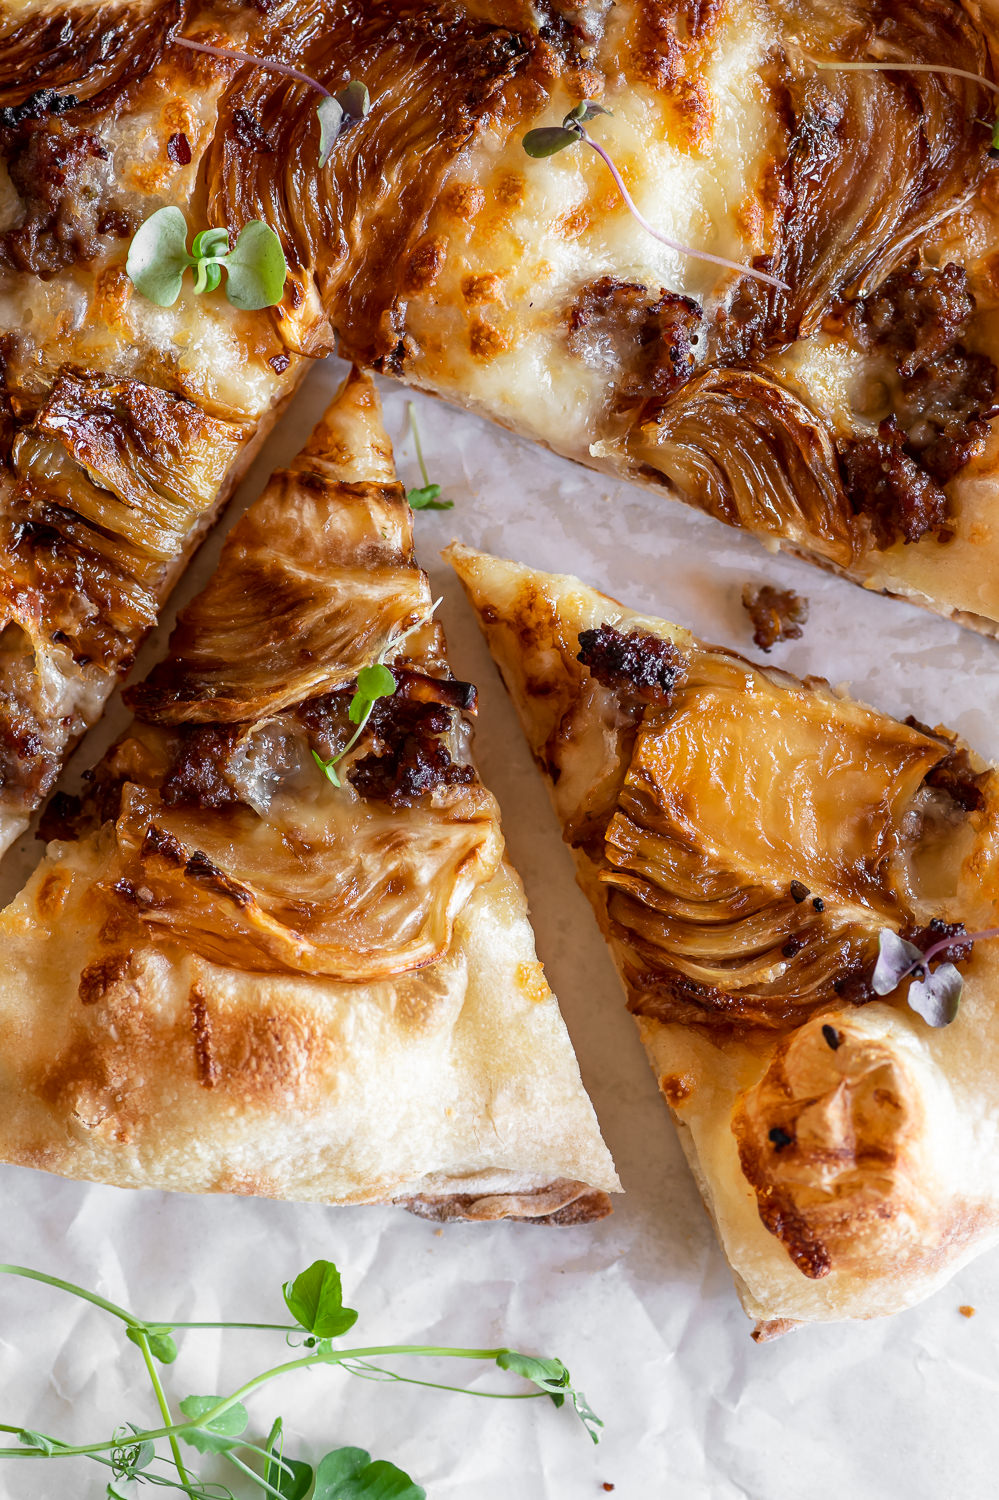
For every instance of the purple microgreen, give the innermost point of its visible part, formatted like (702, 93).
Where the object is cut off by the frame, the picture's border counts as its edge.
(962, 937)
(270, 64)
(548, 139)
(427, 498)
(329, 113)
(937, 997)
(354, 100)
(933, 995)
(896, 960)
(335, 112)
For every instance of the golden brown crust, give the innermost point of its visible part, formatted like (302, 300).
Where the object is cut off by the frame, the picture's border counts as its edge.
(837, 1139)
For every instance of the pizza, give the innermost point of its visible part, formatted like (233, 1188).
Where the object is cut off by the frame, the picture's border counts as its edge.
(813, 363)
(277, 948)
(752, 846)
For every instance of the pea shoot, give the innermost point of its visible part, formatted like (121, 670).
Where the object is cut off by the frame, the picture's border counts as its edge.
(217, 1425)
(374, 682)
(427, 498)
(547, 140)
(158, 257)
(335, 112)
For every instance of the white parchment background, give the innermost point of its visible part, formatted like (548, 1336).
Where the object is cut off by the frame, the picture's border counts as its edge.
(640, 1307)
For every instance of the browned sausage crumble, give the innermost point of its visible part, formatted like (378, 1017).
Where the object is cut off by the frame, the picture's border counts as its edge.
(776, 614)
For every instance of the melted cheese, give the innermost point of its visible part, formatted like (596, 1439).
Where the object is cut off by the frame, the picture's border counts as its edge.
(491, 327)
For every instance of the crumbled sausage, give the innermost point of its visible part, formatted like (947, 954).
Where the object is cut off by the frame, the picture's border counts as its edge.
(617, 323)
(408, 758)
(634, 664)
(954, 775)
(890, 488)
(776, 614)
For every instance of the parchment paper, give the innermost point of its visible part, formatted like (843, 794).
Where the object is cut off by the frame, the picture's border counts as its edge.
(640, 1307)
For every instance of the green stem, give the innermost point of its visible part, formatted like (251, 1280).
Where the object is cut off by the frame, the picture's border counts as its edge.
(263, 1483)
(74, 1291)
(162, 1403)
(264, 1327)
(418, 445)
(308, 1362)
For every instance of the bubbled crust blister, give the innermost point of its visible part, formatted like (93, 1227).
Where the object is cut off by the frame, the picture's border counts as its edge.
(841, 1145)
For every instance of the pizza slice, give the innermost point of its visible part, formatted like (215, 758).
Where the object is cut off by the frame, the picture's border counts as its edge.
(277, 949)
(124, 426)
(758, 850)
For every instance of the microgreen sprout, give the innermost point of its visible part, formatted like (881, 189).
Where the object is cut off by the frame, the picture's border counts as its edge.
(335, 112)
(255, 267)
(374, 681)
(216, 1425)
(427, 498)
(829, 66)
(549, 139)
(933, 994)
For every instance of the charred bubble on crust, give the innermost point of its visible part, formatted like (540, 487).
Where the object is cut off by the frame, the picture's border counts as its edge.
(197, 774)
(634, 664)
(776, 614)
(101, 976)
(409, 759)
(954, 775)
(887, 486)
(652, 341)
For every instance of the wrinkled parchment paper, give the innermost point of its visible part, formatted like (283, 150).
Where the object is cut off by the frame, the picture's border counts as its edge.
(640, 1307)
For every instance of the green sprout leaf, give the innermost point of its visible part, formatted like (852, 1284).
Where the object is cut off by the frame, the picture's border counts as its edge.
(315, 1300)
(289, 1476)
(329, 112)
(552, 1377)
(549, 1375)
(354, 100)
(157, 257)
(36, 1440)
(373, 682)
(427, 499)
(218, 1434)
(328, 767)
(256, 267)
(349, 1474)
(161, 1345)
(548, 139)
